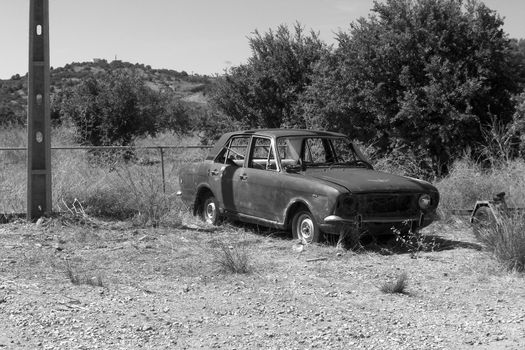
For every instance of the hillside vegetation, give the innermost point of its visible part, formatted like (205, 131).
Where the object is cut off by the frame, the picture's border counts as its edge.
(192, 89)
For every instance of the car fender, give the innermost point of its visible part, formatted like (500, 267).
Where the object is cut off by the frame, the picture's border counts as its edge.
(199, 190)
(318, 205)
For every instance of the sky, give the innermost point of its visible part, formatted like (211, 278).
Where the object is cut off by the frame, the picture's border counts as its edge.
(196, 36)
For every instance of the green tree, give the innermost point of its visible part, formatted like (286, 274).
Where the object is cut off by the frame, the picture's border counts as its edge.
(117, 108)
(8, 115)
(518, 60)
(422, 74)
(264, 92)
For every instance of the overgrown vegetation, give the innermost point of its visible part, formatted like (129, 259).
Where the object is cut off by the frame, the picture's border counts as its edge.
(469, 181)
(179, 88)
(422, 78)
(505, 240)
(124, 190)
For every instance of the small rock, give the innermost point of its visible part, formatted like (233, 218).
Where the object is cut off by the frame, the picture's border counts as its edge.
(298, 248)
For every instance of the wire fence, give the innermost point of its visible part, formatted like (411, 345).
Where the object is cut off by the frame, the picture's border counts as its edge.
(73, 164)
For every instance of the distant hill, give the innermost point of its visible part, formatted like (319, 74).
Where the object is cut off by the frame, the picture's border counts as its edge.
(190, 88)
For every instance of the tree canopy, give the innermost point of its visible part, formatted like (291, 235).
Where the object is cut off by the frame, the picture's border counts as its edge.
(425, 76)
(116, 108)
(264, 92)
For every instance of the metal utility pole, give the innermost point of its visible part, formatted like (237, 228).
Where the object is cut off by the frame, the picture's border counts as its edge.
(38, 118)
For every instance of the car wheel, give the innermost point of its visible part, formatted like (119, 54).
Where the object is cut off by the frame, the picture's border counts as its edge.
(305, 228)
(483, 219)
(210, 210)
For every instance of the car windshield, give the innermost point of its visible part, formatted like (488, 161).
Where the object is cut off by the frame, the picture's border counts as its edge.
(319, 151)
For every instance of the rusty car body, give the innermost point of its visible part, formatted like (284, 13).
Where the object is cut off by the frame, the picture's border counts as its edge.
(311, 182)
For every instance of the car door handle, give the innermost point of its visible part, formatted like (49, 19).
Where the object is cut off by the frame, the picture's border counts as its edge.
(214, 172)
(243, 177)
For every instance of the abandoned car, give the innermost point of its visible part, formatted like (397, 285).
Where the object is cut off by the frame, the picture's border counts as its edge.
(312, 182)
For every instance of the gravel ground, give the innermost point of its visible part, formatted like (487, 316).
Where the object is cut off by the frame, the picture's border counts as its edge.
(162, 289)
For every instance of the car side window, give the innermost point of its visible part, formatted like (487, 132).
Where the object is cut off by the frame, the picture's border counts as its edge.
(262, 156)
(234, 152)
(289, 151)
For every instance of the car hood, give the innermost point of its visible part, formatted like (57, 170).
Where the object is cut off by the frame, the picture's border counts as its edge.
(358, 180)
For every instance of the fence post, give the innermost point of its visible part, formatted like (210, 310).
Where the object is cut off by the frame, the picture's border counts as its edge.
(162, 165)
(39, 192)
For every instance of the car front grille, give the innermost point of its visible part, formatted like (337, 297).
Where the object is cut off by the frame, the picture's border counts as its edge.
(388, 205)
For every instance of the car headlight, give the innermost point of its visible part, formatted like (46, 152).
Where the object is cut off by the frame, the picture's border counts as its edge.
(424, 201)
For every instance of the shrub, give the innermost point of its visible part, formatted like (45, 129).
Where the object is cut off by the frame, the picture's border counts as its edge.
(233, 258)
(117, 108)
(77, 278)
(505, 239)
(414, 242)
(398, 286)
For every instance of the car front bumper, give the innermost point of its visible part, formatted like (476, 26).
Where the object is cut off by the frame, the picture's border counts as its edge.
(333, 224)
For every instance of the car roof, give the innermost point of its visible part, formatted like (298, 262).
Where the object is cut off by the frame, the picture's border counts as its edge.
(269, 133)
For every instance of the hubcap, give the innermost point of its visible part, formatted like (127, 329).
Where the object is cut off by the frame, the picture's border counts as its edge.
(305, 228)
(210, 212)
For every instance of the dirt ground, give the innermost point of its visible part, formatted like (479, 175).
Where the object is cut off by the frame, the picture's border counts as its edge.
(163, 289)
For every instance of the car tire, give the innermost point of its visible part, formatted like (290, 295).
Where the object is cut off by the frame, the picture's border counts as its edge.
(305, 227)
(209, 211)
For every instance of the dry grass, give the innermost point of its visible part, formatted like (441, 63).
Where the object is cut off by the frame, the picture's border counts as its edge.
(505, 240)
(13, 189)
(125, 191)
(396, 287)
(116, 189)
(232, 257)
(78, 278)
(469, 182)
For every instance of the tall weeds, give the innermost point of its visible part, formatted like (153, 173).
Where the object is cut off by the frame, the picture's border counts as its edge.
(468, 182)
(124, 190)
(506, 240)
(118, 189)
(232, 257)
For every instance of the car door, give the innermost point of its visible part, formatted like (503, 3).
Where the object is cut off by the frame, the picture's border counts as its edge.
(260, 183)
(225, 173)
